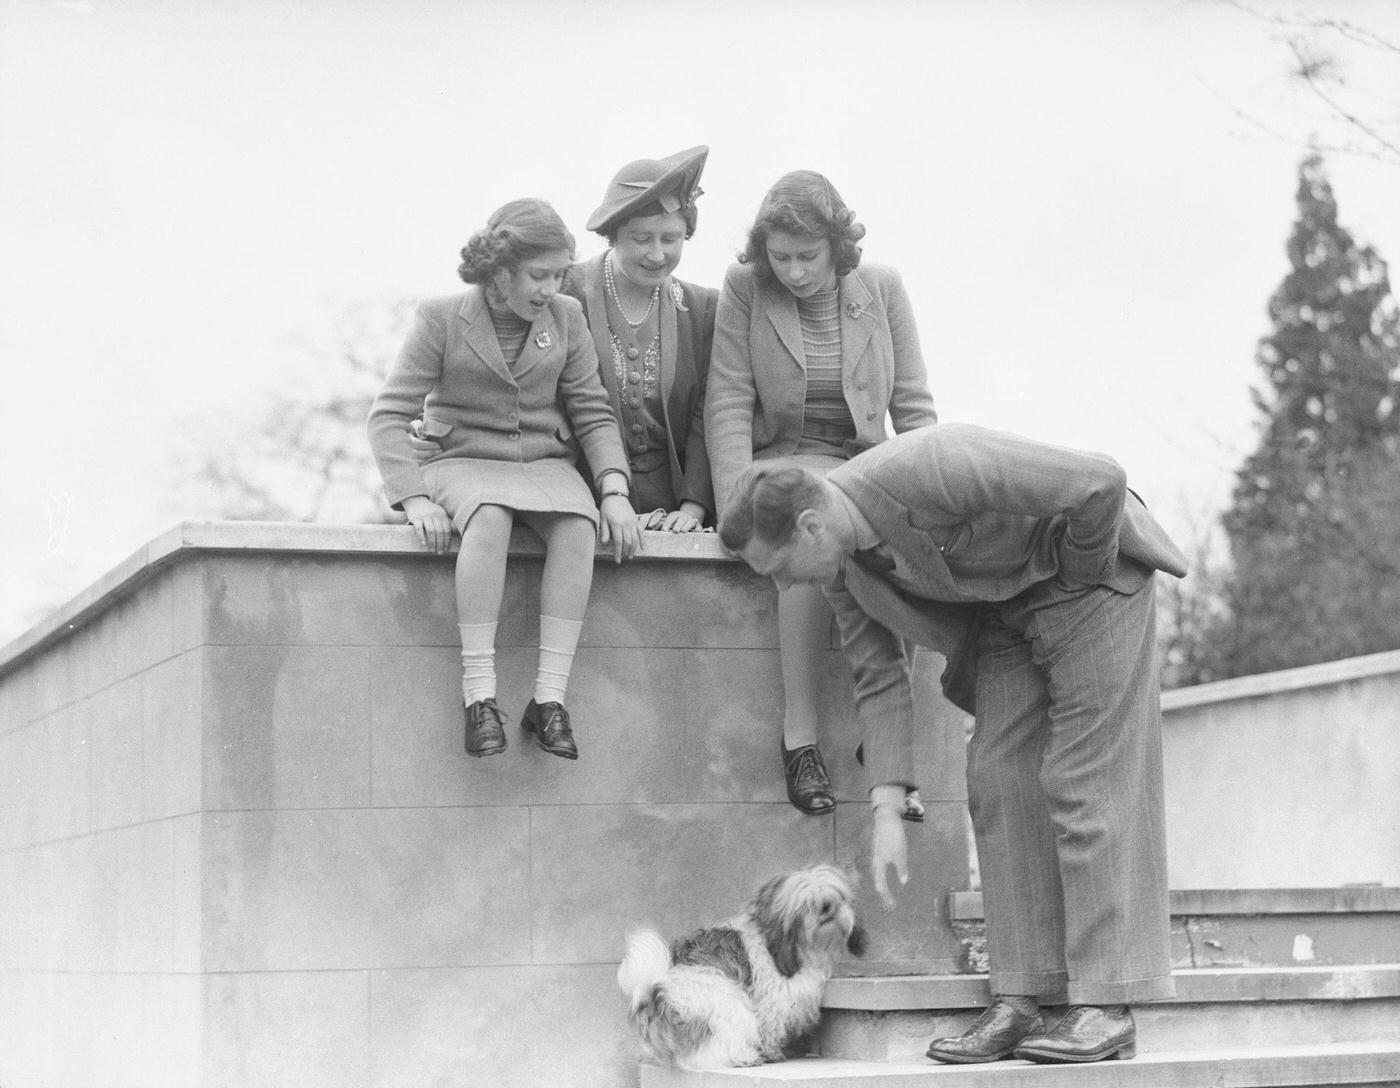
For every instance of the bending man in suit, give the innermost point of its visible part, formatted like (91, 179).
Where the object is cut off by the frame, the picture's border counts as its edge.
(1031, 568)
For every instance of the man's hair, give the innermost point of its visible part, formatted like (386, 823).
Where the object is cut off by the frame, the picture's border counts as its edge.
(765, 503)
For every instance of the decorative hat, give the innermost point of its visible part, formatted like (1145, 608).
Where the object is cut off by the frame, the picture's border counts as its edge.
(672, 182)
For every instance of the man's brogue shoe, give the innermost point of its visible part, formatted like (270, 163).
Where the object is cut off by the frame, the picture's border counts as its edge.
(992, 1037)
(486, 735)
(808, 787)
(1086, 1033)
(549, 722)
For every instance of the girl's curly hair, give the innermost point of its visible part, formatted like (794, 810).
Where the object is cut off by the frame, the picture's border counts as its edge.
(516, 232)
(804, 202)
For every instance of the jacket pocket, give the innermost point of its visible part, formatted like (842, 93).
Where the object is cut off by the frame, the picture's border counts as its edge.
(951, 539)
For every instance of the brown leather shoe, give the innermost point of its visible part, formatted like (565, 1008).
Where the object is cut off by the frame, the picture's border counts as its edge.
(1086, 1033)
(808, 787)
(486, 735)
(549, 722)
(992, 1037)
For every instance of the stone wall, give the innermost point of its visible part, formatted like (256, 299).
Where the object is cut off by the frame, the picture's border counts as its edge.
(1286, 780)
(241, 843)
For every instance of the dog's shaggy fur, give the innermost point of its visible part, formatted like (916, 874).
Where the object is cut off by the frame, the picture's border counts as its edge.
(739, 993)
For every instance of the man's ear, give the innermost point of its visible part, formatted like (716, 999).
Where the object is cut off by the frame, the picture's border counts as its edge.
(811, 523)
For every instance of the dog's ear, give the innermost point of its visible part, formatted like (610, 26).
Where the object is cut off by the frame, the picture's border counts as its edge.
(858, 941)
(782, 936)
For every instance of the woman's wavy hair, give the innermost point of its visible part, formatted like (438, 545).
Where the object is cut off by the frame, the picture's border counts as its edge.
(804, 202)
(516, 232)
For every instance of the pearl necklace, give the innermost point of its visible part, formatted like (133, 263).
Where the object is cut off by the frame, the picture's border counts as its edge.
(611, 285)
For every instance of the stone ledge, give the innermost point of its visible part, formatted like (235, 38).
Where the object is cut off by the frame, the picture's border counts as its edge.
(1285, 680)
(1255, 1067)
(1202, 985)
(1361, 899)
(193, 537)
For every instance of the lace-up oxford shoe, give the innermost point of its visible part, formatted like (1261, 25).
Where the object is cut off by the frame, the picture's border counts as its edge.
(808, 787)
(549, 722)
(486, 734)
(993, 1036)
(1086, 1033)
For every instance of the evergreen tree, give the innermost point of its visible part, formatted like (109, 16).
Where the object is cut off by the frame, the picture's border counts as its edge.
(1314, 528)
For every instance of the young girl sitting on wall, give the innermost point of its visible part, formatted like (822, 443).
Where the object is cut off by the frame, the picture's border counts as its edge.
(503, 377)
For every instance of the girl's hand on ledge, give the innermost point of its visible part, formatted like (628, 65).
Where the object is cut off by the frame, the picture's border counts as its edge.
(688, 519)
(430, 522)
(618, 526)
(676, 521)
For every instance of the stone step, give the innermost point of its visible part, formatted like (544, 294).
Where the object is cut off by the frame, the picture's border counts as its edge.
(1368, 1064)
(1248, 927)
(892, 1019)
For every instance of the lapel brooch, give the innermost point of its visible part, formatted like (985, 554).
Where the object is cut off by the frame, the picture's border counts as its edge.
(854, 311)
(542, 339)
(677, 298)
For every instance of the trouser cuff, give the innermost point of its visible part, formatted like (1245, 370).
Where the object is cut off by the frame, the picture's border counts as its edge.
(1132, 992)
(1048, 987)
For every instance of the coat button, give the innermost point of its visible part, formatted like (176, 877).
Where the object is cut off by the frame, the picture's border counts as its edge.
(514, 435)
(870, 414)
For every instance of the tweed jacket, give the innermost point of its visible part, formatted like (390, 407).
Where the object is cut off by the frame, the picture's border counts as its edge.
(451, 371)
(687, 331)
(758, 372)
(973, 517)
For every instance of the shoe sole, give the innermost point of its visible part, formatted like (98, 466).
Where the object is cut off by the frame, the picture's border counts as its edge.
(487, 752)
(562, 753)
(968, 1059)
(1125, 1052)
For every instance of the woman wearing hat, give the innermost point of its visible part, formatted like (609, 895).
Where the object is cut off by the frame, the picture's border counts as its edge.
(504, 378)
(812, 350)
(652, 333)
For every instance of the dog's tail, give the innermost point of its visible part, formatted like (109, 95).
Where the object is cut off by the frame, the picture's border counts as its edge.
(644, 965)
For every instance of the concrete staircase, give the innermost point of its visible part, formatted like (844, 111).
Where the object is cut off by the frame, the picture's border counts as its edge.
(1251, 1027)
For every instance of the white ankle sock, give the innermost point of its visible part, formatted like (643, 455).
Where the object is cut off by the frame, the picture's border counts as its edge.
(478, 662)
(558, 641)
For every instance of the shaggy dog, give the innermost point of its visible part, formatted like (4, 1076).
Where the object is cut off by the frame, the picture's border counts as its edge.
(740, 992)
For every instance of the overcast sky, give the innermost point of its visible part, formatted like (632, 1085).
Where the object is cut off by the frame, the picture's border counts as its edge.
(1088, 202)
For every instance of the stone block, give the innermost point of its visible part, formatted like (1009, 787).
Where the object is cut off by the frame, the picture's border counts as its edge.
(643, 604)
(187, 606)
(131, 635)
(52, 675)
(303, 1028)
(505, 1027)
(139, 907)
(329, 600)
(598, 870)
(117, 753)
(149, 1031)
(18, 699)
(286, 726)
(44, 779)
(173, 736)
(350, 889)
(915, 937)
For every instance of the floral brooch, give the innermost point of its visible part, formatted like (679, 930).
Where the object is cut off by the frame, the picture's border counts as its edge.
(542, 339)
(678, 298)
(854, 311)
